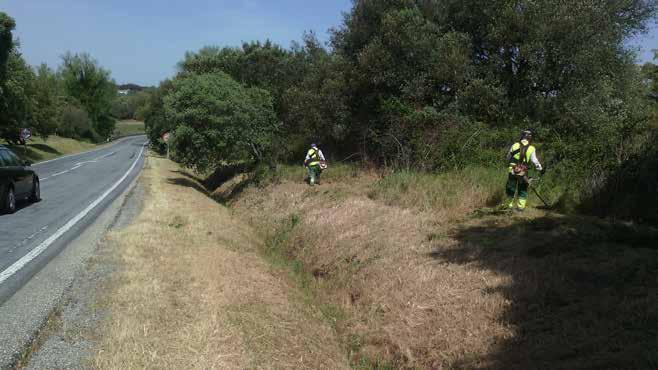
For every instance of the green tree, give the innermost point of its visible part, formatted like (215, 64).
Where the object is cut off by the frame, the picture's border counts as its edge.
(140, 101)
(49, 99)
(7, 25)
(155, 120)
(217, 119)
(560, 66)
(75, 123)
(16, 98)
(316, 109)
(255, 64)
(650, 74)
(12, 99)
(87, 82)
(130, 106)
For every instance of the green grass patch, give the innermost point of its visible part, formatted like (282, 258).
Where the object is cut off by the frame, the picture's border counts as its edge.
(130, 127)
(276, 252)
(476, 186)
(39, 149)
(286, 172)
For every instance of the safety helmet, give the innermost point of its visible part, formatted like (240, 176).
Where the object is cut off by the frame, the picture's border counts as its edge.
(527, 134)
(314, 146)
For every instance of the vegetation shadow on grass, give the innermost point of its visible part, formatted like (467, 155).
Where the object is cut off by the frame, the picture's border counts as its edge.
(45, 148)
(187, 183)
(217, 184)
(31, 154)
(583, 294)
(226, 173)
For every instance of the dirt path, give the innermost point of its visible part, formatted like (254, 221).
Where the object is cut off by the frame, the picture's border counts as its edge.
(192, 292)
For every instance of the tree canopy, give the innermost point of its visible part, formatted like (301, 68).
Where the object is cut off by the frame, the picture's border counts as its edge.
(44, 100)
(86, 81)
(218, 119)
(442, 84)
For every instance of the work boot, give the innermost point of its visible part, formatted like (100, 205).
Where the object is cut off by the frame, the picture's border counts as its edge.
(509, 204)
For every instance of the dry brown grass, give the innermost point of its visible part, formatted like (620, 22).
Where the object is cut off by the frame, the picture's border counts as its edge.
(424, 288)
(402, 307)
(192, 292)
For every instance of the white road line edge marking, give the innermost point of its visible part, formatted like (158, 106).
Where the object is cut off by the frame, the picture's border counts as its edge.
(78, 165)
(87, 152)
(103, 156)
(18, 265)
(59, 173)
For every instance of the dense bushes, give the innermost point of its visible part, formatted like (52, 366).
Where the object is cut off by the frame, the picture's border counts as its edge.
(75, 123)
(442, 85)
(557, 66)
(132, 106)
(630, 191)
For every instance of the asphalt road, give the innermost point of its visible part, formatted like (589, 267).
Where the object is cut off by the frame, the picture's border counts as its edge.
(74, 191)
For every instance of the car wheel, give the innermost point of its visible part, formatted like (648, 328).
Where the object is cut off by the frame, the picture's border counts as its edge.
(36, 191)
(10, 202)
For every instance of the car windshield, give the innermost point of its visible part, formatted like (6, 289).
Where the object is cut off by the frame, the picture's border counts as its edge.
(9, 158)
(13, 159)
(4, 159)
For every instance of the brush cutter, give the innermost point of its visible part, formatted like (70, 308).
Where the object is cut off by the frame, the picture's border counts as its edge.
(531, 182)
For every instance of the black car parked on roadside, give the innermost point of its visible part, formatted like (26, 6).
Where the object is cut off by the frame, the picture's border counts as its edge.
(17, 181)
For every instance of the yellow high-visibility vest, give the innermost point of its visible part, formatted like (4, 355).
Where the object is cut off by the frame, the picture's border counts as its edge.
(516, 158)
(315, 157)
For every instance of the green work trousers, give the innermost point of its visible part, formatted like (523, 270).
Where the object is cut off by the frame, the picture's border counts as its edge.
(514, 184)
(314, 174)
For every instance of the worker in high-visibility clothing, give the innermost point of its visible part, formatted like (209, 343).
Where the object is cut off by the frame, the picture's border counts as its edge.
(315, 163)
(519, 157)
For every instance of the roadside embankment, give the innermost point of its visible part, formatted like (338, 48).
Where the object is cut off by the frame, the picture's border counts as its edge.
(415, 273)
(191, 291)
(128, 128)
(39, 149)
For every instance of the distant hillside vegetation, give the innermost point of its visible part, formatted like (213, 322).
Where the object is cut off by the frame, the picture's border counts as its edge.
(132, 87)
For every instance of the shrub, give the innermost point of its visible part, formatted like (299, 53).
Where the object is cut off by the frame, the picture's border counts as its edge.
(75, 124)
(218, 120)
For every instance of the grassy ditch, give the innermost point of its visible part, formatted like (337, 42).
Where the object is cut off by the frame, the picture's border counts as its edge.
(192, 291)
(412, 272)
(277, 251)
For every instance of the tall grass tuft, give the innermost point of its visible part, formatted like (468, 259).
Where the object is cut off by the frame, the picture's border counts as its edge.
(467, 189)
(286, 172)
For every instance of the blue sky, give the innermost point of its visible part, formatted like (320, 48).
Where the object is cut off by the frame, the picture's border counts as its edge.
(141, 41)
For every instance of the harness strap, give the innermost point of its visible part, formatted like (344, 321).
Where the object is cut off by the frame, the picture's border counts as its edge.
(522, 151)
(314, 155)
